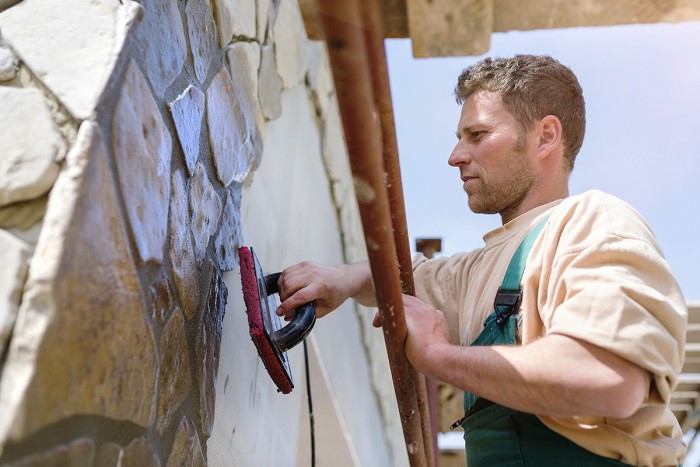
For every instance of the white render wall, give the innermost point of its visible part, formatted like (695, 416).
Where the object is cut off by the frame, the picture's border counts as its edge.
(140, 144)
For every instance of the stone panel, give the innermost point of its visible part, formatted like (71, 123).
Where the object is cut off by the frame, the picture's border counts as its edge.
(85, 41)
(161, 43)
(230, 233)
(175, 374)
(233, 136)
(319, 75)
(109, 455)
(30, 144)
(160, 299)
(186, 448)
(142, 149)
(206, 210)
(79, 453)
(140, 453)
(14, 257)
(23, 214)
(208, 347)
(263, 9)
(182, 253)
(202, 32)
(7, 64)
(291, 44)
(235, 18)
(82, 298)
(270, 85)
(187, 111)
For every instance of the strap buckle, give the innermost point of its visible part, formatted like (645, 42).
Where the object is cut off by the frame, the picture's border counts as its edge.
(508, 299)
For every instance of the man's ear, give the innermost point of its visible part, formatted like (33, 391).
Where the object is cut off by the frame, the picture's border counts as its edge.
(549, 133)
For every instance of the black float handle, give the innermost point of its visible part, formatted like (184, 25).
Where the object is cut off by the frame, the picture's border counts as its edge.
(301, 324)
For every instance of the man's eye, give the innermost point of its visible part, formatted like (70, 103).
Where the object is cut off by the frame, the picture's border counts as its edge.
(476, 134)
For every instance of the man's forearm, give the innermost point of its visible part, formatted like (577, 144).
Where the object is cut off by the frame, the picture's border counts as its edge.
(360, 283)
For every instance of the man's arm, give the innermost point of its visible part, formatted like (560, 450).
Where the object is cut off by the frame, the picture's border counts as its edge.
(556, 376)
(326, 286)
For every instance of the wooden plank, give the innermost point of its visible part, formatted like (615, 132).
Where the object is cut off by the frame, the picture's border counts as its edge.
(443, 28)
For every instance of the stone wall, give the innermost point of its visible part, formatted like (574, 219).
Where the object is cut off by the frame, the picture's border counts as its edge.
(140, 143)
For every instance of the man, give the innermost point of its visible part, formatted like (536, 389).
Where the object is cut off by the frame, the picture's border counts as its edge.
(576, 361)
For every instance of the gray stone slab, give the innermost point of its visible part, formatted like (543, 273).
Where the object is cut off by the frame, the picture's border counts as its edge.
(71, 45)
(205, 205)
(263, 9)
(161, 43)
(24, 214)
(235, 18)
(202, 31)
(230, 235)
(82, 299)
(269, 85)
(182, 253)
(187, 111)
(233, 135)
(30, 144)
(8, 69)
(142, 150)
(14, 257)
(291, 44)
(174, 374)
(187, 449)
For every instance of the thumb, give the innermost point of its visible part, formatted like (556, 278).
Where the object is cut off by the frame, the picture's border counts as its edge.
(377, 321)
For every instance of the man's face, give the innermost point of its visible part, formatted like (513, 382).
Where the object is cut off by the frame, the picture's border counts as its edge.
(492, 155)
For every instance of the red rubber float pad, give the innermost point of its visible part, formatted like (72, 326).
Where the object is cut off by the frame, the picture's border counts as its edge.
(273, 361)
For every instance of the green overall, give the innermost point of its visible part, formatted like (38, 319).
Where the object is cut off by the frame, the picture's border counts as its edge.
(496, 435)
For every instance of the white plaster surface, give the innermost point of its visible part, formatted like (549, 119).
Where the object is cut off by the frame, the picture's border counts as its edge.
(235, 18)
(14, 257)
(233, 136)
(202, 31)
(287, 221)
(7, 64)
(187, 111)
(70, 45)
(205, 205)
(291, 44)
(142, 149)
(162, 44)
(30, 144)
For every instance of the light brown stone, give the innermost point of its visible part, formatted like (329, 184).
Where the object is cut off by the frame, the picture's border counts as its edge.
(109, 455)
(187, 449)
(161, 43)
(76, 49)
(270, 85)
(160, 299)
(14, 258)
(187, 111)
(233, 136)
(82, 299)
(291, 44)
(175, 374)
(230, 235)
(205, 205)
(142, 149)
(202, 32)
(140, 453)
(30, 144)
(208, 349)
(24, 214)
(79, 453)
(182, 254)
(235, 18)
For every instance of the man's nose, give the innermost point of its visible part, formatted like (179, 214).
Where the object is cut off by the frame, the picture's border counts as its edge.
(460, 155)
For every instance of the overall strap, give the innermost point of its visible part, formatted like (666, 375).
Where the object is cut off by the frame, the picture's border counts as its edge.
(510, 293)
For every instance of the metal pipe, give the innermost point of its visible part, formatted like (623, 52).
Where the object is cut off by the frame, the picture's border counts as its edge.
(342, 25)
(374, 35)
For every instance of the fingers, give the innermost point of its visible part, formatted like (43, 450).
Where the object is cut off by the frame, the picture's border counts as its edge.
(377, 321)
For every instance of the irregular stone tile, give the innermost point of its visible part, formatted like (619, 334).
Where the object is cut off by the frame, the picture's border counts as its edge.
(79, 453)
(186, 448)
(140, 453)
(187, 111)
(263, 15)
(85, 41)
(161, 299)
(30, 144)
(24, 214)
(161, 43)
(7, 64)
(202, 32)
(235, 18)
(319, 75)
(291, 44)
(230, 235)
(142, 149)
(182, 254)
(14, 257)
(109, 455)
(270, 85)
(206, 210)
(83, 247)
(233, 136)
(175, 374)
(208, 347)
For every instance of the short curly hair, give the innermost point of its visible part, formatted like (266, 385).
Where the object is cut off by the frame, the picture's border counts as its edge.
(532, 87)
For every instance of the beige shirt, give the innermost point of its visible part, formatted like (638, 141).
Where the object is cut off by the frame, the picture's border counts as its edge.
(595, 273)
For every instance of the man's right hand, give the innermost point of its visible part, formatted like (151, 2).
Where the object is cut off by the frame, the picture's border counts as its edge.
(326, 286)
